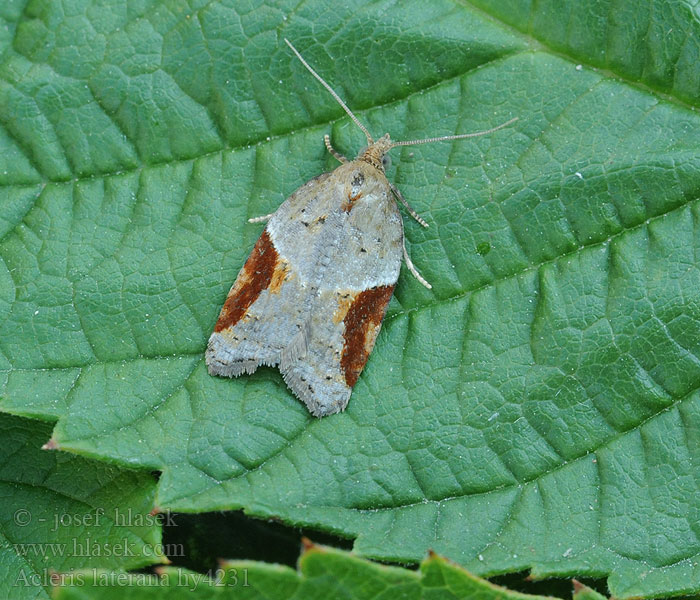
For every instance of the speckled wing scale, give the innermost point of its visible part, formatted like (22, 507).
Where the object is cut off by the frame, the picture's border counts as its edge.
(312, 295)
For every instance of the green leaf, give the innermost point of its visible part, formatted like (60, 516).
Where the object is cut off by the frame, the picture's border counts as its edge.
(323, 573)
(583, 592)
(536, 410)
(654, 42)
(60, 512)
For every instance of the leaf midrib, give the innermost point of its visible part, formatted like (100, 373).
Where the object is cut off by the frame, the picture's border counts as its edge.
(253, 143)
(533, 44)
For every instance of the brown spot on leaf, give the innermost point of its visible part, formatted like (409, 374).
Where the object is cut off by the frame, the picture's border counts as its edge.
(255, 276)
(362, 324)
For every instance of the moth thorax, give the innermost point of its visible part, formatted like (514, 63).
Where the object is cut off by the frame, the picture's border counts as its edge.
(374, 153)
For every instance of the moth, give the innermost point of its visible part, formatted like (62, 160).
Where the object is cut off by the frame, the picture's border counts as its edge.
(312, 295)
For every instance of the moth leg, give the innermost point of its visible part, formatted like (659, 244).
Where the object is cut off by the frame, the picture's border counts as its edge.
(410, 210)
(262, 219)
(332, 150)
(412, 268)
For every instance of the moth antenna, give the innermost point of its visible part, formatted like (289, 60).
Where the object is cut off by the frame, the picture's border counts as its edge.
(338, 156)
(338, 99)
(454, 137)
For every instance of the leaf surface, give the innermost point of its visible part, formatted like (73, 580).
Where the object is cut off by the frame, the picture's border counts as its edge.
(60, 512)
(537, 409)
(322, 573)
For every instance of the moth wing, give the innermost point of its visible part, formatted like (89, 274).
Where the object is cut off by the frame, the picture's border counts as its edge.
(261, 315)
(336, 350)
(353, 270)
(313, 293)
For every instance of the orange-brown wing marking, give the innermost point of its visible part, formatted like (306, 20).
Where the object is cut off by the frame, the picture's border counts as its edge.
(350, 202)
(362, 324)
(354, 193)
(255, 276)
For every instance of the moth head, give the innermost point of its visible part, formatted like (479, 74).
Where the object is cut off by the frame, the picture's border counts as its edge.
(376, 153)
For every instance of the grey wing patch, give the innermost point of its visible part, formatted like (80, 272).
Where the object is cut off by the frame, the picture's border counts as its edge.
(261, 315)
(321, 397)
(351, 272)
(258, 318)
(316, 377)
(297, 347)
(343, 329)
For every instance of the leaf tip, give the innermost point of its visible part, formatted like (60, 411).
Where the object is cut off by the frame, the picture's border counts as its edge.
(307, 544)
(52, 444)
